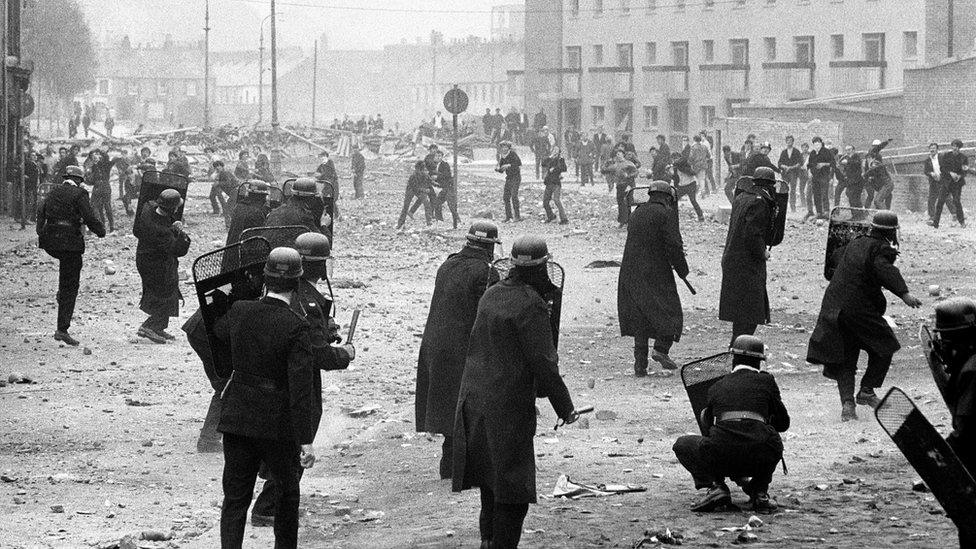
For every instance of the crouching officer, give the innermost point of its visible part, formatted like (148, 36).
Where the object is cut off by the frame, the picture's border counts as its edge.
(511, 359)
(852, 313)
(745, 414)
(59, 220)
(316, 309)
(955, 345)
(272, 403)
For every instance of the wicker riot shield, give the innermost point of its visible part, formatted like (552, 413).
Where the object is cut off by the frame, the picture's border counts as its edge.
(557, 275)
(931, 457)
(154, 183)
(845, 225)
(220, 282)
(699, 376)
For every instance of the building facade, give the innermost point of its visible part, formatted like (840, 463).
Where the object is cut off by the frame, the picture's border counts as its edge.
(672, 67)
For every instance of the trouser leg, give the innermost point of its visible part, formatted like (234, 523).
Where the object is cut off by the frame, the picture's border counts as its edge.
(406, 206)
(694, 204)
(809, 197)
(641, 352)
(877, 370)
(282, 461)
(507, 199)
(838, 189)
(663, 344)
(447, 457)
(357, 183)
(762, 475)
(854, 195)
(955, 193)
(791, 180)
(515, 199)
(486, 519)
(107, 204)
(241, 463)
(623, 209)
(818, 196)
(507, 527)
(538, 167)
(416, 205)
(546, 198)
(557, 197)
(267, 500)
(214, 203)
(688, 451)
(437, 205)
(156, 322)
(427, 209)
(742, 328)
(452, 205)
(69, 279)
(933, 197)
(730, 189)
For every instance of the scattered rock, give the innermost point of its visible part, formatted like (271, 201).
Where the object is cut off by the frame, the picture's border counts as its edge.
(919, 486)
(155, 535)
(605, 415)
(341, 511)
(86, 351)
(746, 536)
(755, 522)
(365, 411)
(602, 264)
(57, 508)
(935, 290)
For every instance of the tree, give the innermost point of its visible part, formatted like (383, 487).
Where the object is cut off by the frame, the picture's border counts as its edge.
(56, 37)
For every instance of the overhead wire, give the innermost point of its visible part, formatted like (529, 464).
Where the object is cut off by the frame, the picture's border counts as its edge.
(619, 9)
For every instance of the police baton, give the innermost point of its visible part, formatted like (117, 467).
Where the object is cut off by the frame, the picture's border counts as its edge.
(352, 325)
(581, 411)
(690, 287)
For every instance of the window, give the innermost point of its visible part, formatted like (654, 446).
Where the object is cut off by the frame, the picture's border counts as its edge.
(803, 49)
(679, 5)
(650, 118)
(651, 53)
(625, 55)
(739, 52)
(874, 47)
(910, 45)
(709, 4)
(679, 54)
(598, 55)
(599, 114)
(161, 87)
(574, 7)
(574, 57)
(191, 88)
(651, 5)
(134, 87)
(837, 46)
(770, 44)
(597, 7)
(103, 87)
(708, 116)
(678, 113)
(624, 7)
(708, 48)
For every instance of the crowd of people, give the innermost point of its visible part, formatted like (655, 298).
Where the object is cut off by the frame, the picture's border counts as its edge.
(365, 124)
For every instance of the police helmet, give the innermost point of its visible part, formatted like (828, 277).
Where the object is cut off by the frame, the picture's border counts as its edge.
(885, 219)
(313, 246)
(748, 345)
(661, 187)
(529, 251)
(258, 187)
(284, 263)
(955, 314)
(170, 200)
(75, 173)
(484, 232)
(764, 174)
(304, 187)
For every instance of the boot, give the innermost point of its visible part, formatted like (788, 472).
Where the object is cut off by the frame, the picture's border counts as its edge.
(866, 397)
(664, 360)
(640, 361)
(845, 386)
(65, 337)
(762, 503)
(717, 496)
(848, 411)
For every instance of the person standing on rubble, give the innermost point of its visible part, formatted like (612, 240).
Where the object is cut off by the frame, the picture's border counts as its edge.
(358, 164)
(510, 164)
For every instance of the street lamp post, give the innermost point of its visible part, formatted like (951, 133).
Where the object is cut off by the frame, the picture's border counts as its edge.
(261, 71)
(275, 146)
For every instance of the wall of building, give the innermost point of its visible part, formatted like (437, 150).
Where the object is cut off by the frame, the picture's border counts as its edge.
(858, 128)
(941, 102)
(543, 51)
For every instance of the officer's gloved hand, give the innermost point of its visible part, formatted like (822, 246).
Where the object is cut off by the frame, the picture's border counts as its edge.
(334, 336)
(350, 350)
(307, 457)
(911, 300)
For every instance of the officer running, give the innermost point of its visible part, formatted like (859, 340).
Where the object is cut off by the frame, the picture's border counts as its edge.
(745, 415)
(272, 403)
(59, 220)
(461, 281)
(852, 313)
(511, 359)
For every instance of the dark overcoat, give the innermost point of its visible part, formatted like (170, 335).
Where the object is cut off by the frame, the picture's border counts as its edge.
(61, 216)
(460, 283)
(248, 214)
(647, 297)
(864, 268)
(511, 358)
(743, 296)
(157, 260)
(299, 210)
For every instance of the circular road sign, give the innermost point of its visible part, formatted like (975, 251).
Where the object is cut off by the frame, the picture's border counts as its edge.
(455, 101)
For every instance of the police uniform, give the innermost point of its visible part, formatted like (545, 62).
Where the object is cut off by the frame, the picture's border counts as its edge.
(59, 221)
(160, 245)
(299, 210)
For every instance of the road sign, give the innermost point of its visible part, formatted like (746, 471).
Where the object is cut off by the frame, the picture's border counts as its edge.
(455, 101)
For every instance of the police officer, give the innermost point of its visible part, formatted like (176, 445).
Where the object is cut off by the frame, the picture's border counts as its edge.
(272, 404)
(251, 210)
(955, 345)
(161, 242)
(756, 225)
(511, 358)
(59, 220)
(304, 207)
(461, 281)
(316, 309)
(851, 315)
(648, 305)
(745, 415)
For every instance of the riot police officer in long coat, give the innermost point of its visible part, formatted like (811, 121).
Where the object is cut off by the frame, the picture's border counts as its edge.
(251, 211)
(852, 313)
(59, 221)
(461, 281)
(304, 207)
(757, 223)
(511, 358)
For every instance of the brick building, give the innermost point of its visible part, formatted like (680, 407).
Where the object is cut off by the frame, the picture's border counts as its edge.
(942, 98)
(672, 66)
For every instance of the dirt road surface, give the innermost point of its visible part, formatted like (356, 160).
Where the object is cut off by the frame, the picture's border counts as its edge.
(102, 444)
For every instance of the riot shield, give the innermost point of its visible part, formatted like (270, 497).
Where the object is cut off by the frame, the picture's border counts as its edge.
(154, 183)
(275, 196)
(699, 376)
(637, 196)
(557, 275)
(220, 281)
(931, 457)
(276, 236)
(936, 366)
(845, 225)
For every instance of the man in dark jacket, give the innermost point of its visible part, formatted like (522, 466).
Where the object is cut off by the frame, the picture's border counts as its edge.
(250, 211)
(540, 120)
(59, 221)
(758, 159)
(821, 165)
(744, 415)
(271, 405)
(756, 225)
(308, 303)
(511, 358)
(659, 170)
(648, 305)
(510, 164)
(227, 183)
(242, 171)
(541, 147)
(101, 197)
(460, 283)
(326, 172)
(852, 313)
(419, 186)
(791, 162)
(955, 165)
(358, 164)
(555, 167)
(446, 193)
(303, 207)
(161, 243)
(850, 177)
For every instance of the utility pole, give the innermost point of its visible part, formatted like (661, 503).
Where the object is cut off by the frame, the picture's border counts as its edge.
(315, 73)
(261, 77)
(4, 116)
(275, 146)
(206, 68)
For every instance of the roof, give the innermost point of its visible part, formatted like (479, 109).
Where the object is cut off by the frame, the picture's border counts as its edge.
(236, 69)
(166, 63)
